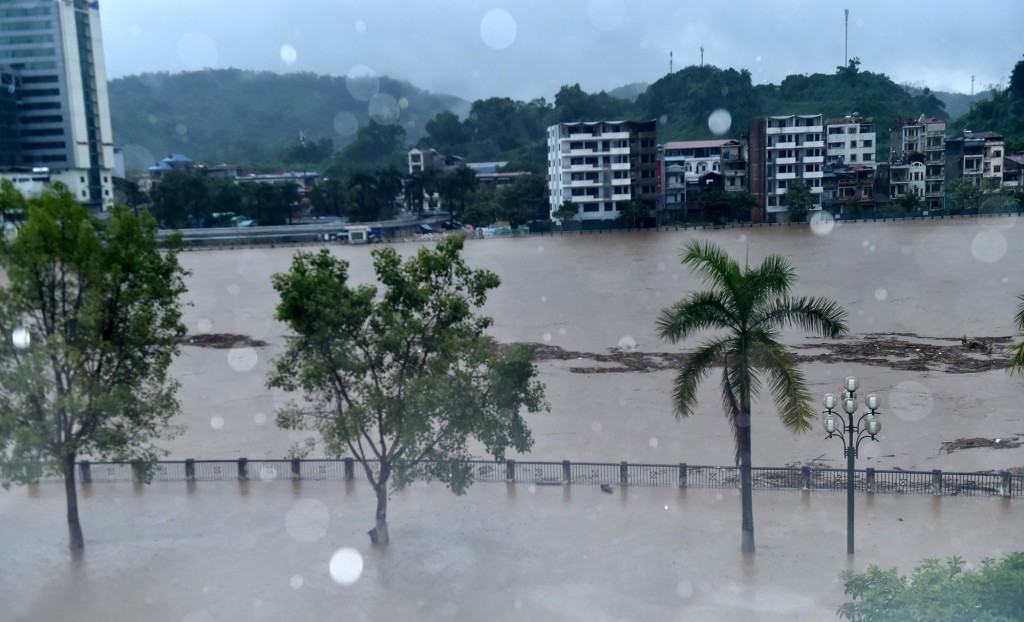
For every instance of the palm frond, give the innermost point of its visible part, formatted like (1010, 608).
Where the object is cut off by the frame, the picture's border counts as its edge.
(773, 277)
(788, 388)
(819, 315)
(693, 371)
(711, 264)
(1017, 362)
(698, 311)
(733, 413)
(1018, 320)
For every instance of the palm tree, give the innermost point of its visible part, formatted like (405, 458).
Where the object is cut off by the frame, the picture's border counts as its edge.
(747, 307)
(1017, 364)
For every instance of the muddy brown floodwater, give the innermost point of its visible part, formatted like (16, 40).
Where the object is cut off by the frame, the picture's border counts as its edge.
(930, 309)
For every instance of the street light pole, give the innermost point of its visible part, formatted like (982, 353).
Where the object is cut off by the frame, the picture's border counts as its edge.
(851, 432)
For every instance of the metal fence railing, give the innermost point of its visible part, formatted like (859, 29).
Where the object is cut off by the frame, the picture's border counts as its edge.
(564, 473)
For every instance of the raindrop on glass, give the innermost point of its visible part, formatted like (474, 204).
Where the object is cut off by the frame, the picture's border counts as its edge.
(346, 566)
(296, 581)
(242, 359)
(498, 29)
(822, 222)
(345, 123)
(259, 419)
(288, 54)
(719, 121)
(362, 83)
(547, 337)
(989, 246)
(881, 294)
(383, 109)
(20, 338)
(217, 423)
(653, 442)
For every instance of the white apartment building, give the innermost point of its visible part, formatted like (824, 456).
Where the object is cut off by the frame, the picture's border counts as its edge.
(785, 149)
(851, 140)
(601, 166)
(698, 157)
(54, 49)
(915, 143)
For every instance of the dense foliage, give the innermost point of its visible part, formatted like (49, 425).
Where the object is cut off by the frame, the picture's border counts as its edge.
(96, 305)
(938, 592)
(1004, 113)
(401, 378)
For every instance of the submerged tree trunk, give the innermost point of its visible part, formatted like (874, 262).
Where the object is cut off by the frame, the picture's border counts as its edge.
(379, 533)
(75, 539)
(746, 484)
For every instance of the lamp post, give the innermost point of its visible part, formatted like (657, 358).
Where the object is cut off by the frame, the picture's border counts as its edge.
(851, 432)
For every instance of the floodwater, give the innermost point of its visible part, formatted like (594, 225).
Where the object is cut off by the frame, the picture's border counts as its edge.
(262, 550)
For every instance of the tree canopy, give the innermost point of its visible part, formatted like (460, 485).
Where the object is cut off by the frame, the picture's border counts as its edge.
(98, 311)
(401, 378)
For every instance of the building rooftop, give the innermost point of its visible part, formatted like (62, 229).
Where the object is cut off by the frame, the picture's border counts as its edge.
(697, 144)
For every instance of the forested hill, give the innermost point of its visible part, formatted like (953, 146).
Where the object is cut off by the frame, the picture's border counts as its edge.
(250, 118)
(247, 117)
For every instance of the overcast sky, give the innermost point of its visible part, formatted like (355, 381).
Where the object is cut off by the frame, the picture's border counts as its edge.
(529, 48)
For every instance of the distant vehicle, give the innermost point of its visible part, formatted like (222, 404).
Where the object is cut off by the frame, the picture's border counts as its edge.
(377, 235)
(452, 225)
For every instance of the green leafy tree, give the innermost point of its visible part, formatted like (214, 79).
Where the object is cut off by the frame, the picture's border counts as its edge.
(518, 201)
(400, 379)
(937, 592)
(634, 213)
(909, 202)
(965, 195)
(799, 199)
(454, 188)
(747, 308)
(481, 207)
(100, 305)
(715, 205)
(569, 211)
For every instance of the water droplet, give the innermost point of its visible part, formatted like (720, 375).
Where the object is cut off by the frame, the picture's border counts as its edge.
(663, 119)
(989, 246)
(684, 589)
(233, 289)
(242, 359)
(881, 294)
(403, 103)
(288, 54)
(719, 121)
(597, 426)
(21, 338)
(383, 109)
(498, 29)
(906, 250)
(267, 473)
(627, 343)
(822, 222)
(547, 337)
(561, 331)
(532, 488)
(911, 401)
(606, 15)
(757, 58)
(346, 566)
(653, 442)
(259, 418)
(865, 243)
(743, 237)
(362, 83)
(345, 123)
(204, 325)
(296, 581)
(306, 520)
(217, 422)
(196, 50)
(181, 130)
(543, 298)
(360, 26)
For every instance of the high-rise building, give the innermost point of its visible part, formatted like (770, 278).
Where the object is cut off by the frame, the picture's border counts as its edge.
(53, 52)
(784, 150)
(917, 159)
(602, 165)
(851, 140)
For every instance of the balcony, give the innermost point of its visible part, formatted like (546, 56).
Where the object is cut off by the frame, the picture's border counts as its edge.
(811, 144)
(814, 175)
(619, 166)
(622, 196)
(813, 160)
(782, 176)
(791, 144)
(785, 160)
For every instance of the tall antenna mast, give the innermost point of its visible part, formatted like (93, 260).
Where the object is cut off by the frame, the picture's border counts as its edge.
(670, 61)
(702, 56)
(846, 39)
(972, 86)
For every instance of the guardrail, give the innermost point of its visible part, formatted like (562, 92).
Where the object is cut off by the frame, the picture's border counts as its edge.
(567, 473)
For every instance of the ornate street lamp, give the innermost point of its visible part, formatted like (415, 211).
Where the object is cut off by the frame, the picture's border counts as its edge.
(851, 432)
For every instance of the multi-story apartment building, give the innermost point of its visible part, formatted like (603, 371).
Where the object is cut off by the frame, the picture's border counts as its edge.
(978, 156)
(602, 165)
(784, 149)
(734, 165)
(54, 51)
(850, 140)
(917, 159)
(423, 159)
(845, 185)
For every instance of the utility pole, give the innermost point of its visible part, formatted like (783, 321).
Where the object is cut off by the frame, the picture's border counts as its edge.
(846, 39)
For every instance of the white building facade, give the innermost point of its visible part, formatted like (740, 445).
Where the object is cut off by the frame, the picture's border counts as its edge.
(602, 165)
(851, 140)
(794, 151)
(55, 48)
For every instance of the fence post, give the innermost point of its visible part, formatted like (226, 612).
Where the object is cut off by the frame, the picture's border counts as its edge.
(566, 472)
(136, 471)
(510, 470)
(350, 468)
(296, 469)
(682, 475)
(190, 470)
(870, 484)
(86, 470)
(243, 469)
(624, 473)
(805, 477)
(1005, 484)
(937, 482)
